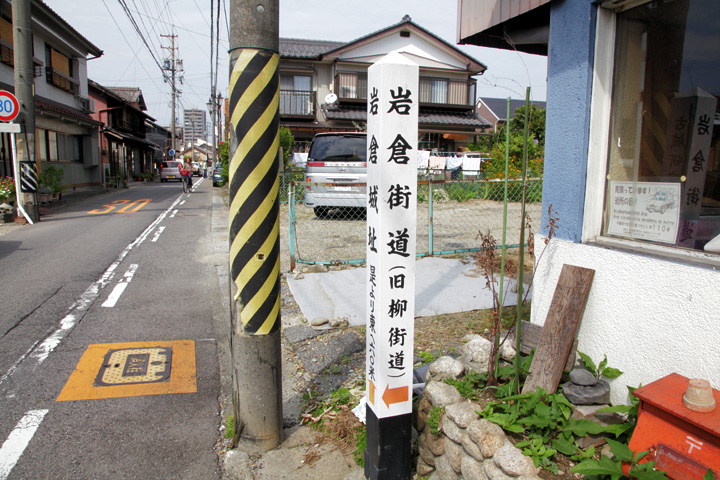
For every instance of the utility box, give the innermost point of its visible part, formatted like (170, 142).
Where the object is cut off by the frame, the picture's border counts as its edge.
(682, 442)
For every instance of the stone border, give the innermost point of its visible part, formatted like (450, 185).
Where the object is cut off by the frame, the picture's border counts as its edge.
(467, 447)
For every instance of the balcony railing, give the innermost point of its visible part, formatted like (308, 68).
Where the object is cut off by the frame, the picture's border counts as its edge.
(60, 80)
(297, 103)
(351, 86)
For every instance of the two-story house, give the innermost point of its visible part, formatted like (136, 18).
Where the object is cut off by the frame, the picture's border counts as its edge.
(323, 85)
(65, 134)
(124, 150)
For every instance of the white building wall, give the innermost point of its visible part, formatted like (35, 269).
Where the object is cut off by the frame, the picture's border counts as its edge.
(414, 43)
(651, 317)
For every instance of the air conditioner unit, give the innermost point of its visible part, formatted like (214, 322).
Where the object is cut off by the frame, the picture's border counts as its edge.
(87, 104)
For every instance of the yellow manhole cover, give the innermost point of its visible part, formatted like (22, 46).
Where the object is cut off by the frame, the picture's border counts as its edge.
(135, 365)
(115, 370)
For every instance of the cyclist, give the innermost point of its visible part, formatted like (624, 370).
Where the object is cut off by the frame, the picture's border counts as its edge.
(188, 166)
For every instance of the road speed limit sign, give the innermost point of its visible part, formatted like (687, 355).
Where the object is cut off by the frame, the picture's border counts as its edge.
(9, 106)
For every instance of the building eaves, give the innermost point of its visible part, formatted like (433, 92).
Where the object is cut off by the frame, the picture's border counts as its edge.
(425, 117)
(306, 49)
(39, 8)
(129, 137)
(63, 111)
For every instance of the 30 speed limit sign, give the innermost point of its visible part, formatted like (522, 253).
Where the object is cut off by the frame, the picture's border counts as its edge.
(9, 106)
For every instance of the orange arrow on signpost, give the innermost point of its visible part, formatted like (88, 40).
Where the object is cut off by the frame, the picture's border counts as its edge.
(395, 395)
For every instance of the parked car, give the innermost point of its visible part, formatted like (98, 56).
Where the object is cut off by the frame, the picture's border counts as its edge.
(217, 174)
(170, 170)
(197, 169)
(339, 160)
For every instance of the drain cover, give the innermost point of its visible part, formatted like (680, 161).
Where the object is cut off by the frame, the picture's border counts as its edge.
(135, 365)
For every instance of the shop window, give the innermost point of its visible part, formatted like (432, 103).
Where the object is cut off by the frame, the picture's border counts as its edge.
(663, 174)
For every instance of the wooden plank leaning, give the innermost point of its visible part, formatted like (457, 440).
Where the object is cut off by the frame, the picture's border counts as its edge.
(561, 324)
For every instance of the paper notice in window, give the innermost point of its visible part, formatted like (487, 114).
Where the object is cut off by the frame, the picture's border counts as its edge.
(644, 210)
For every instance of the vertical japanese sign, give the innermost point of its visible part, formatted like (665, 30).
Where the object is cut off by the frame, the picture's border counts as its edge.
(391, 222)
(700, 106)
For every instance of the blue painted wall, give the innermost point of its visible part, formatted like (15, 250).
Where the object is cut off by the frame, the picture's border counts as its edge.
(570, 57)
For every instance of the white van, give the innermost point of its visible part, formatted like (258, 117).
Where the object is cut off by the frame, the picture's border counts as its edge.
(338, 160)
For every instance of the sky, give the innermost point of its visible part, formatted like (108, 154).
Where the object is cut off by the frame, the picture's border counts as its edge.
(127, 62)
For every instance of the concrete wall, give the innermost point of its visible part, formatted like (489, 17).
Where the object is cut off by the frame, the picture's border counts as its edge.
(651, 317)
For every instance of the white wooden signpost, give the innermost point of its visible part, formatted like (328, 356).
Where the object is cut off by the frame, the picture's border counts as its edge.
(392, 135)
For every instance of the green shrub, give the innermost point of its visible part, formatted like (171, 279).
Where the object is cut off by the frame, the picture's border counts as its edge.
(433, 419)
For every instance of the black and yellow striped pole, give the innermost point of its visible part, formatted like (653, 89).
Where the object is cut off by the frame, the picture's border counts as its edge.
(254, 222)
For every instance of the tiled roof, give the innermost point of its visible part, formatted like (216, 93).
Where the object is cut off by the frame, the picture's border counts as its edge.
(499, 106)
(453, 118)
(129, 94)
(308, 49)
(346, 113)
(425, 117)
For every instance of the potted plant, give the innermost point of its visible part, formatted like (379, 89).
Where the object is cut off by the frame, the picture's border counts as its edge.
(51, 176)
(7, 197)
(7, 190)
(44, 193)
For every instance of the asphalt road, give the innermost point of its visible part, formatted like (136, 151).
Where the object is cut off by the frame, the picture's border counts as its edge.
(108, 352)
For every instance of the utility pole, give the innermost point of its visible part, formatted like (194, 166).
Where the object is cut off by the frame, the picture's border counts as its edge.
(24, 91)
(172, 67)
(214, 106)
(254, 222)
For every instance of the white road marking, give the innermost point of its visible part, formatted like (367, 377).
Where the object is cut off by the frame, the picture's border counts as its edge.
(120, 287)
(173, 214)
(18, 440)
(157, 234)
(115, 295)
(39, 351)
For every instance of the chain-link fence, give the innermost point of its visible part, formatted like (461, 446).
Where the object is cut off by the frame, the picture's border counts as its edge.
(450, 215)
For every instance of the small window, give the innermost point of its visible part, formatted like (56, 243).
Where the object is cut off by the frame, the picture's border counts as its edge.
(435, 90)
(41, 144)
(52, 146)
